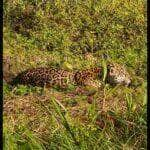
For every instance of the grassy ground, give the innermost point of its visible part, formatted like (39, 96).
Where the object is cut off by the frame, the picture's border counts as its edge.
(62, 33)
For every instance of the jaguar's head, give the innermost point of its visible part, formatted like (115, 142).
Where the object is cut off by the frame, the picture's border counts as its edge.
(118, 75)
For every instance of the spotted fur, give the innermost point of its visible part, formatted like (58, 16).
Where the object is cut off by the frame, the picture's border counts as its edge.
(50, 77)
(83, 77)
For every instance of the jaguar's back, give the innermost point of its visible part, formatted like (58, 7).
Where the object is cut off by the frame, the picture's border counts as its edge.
(44, 77)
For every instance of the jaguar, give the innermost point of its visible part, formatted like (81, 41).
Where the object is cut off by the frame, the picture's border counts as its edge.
(49, 77)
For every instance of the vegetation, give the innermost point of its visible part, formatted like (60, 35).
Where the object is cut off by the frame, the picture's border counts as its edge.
(75, 35)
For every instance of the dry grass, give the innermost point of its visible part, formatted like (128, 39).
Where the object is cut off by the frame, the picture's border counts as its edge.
(75, 35)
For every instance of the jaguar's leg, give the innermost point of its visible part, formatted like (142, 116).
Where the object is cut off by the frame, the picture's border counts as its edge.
(79, 90)
(91, 89)
(92, 86)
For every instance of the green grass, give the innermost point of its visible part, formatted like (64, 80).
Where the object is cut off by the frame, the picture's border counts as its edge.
(59, 33)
